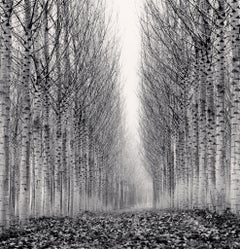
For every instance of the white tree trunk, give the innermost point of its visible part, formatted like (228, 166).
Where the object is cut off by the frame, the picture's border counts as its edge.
(24, 198)
(5, 71)
(235, 144)
(220, 113)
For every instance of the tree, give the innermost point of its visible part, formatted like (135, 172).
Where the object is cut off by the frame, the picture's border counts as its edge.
(5, 82)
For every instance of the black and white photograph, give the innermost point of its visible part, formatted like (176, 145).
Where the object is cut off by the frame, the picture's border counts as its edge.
(120, 124)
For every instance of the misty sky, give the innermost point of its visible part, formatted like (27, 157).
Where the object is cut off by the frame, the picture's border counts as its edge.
(127, 14)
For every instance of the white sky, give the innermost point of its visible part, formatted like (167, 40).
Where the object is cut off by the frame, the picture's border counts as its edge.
(128, 14)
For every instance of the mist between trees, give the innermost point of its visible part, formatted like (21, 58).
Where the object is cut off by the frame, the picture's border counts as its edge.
(61, 132)
(190, 102)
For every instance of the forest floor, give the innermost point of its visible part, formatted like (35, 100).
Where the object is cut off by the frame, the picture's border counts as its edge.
(140, 229)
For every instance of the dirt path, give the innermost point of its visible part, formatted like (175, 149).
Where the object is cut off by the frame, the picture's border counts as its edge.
(146, 229)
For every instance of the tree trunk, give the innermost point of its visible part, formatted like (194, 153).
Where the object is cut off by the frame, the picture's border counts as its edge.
(24, 198)
(235, 84)
(220, 112)
(5, 72)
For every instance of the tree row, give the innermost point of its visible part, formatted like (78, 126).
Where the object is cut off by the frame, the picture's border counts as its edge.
(60, 116)
(190, 102)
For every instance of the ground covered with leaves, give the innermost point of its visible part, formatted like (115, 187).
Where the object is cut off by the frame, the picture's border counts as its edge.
(144, 229)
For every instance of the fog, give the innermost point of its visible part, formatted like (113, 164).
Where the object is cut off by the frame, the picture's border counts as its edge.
(125, 16)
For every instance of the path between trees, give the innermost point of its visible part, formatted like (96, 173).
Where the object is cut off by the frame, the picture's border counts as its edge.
(137, 229)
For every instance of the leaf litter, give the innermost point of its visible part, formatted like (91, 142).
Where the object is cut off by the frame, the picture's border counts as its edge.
(196, 229)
